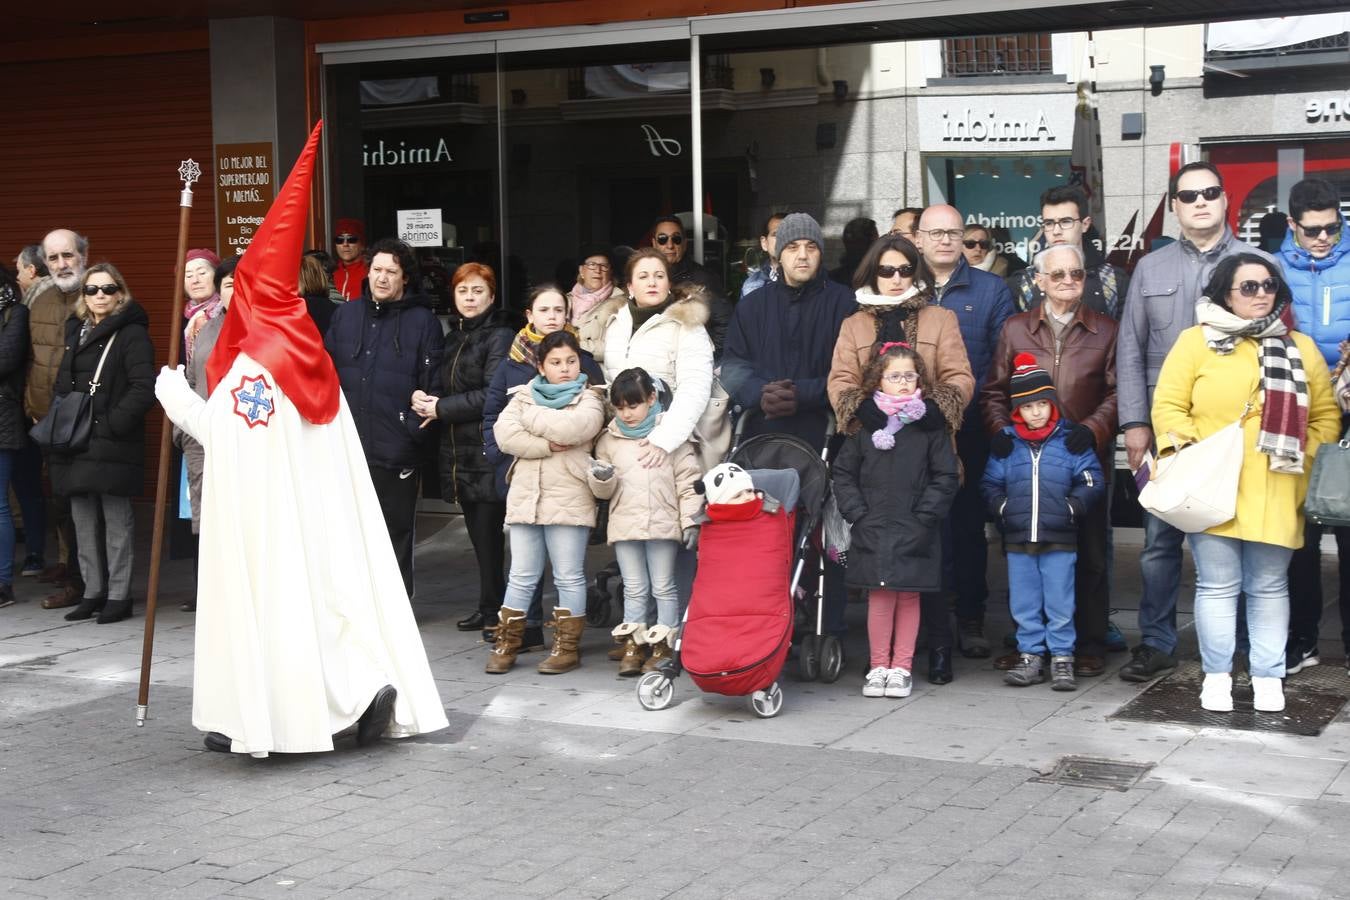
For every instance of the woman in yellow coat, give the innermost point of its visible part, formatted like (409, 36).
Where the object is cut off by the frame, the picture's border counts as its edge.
(1242, 350)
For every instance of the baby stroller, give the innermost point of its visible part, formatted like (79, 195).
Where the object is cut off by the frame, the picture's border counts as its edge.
(738, 626)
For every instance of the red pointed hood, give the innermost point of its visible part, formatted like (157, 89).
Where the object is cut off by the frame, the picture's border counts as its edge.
(267, 318)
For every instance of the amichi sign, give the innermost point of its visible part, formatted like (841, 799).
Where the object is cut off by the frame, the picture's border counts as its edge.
(1015, 122)
(400, 154)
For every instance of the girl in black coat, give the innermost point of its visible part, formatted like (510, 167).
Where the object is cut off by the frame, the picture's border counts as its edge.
(894, 485)
(475, 345)
(111, 470)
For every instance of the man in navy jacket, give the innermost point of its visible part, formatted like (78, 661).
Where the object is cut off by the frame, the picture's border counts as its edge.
(982, 304)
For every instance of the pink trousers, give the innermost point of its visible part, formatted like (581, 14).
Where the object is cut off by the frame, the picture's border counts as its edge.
(892, 628)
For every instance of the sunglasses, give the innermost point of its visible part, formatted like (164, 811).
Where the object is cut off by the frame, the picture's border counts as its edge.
(346, 239)
(905, 271)
(1066, 275)
(900, 377)
(1252, 288)
(676, 239)
(1210, 193)
(1312, 231)
(109, 290)
(972, 244)
(1063, 224)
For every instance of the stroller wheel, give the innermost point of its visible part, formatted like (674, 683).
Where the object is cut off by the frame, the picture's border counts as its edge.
(597, 611)
(655, 691)
(831, 659)
(768, 702)
(808, 658)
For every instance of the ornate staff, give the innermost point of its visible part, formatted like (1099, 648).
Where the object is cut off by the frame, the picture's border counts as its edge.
(189, 172)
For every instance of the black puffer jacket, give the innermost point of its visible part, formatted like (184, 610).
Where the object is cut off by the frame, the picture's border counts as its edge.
(114, 463)
(383, 352)
(896, 500)
(473, 350)
(14, 354)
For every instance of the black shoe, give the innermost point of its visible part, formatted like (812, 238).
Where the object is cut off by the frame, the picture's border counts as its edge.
(533, 639)
(375, 720)
(1148, 663)
(6, 595)
(88, 606)
(940, 665)
(190, 606)
(217, 742)
(115, 611)
(32, 565)
(474, 621)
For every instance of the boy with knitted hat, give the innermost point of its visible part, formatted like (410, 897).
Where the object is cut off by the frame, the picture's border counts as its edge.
(1038, 493)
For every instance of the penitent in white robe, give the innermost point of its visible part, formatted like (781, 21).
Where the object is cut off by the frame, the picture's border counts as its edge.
(301, 611)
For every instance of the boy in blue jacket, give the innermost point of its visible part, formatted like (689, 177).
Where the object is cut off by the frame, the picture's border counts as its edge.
(1037, 494)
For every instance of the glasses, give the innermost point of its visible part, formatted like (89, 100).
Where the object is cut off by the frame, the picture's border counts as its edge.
(900, 377)
(905, 271)
(596, 267)
(1252, 288)
(1210, 193)
(951, 234)
(677, 239)
(1061, 275)
(1063, 224)
(346, 239)
(971, 245)
(109, 290)
(1312, 231)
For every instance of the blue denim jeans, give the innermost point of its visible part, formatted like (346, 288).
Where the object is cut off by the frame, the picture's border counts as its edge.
(26, 479)
(6, 519)
(648, 570)
(1224, 568)
(562, 545)
(1160, 569)
(1040, 595)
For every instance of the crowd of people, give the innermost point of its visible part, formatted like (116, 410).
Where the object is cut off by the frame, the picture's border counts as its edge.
(949, 383)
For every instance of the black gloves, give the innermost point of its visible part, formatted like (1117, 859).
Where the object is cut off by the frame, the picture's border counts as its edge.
(1000, 445)
(933, 418)
(870, 415)
(1080, 438)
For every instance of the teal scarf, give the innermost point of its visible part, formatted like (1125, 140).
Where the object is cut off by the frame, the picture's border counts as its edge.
(643, 428)
(556, 396)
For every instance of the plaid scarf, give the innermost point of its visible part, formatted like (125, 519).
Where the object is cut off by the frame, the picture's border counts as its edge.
(1284, 384)
(525, 346)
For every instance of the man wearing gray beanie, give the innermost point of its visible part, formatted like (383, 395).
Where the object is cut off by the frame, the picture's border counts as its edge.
(778, 352)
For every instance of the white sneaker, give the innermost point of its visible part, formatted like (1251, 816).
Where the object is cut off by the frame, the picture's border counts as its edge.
(1216, 694)
(875, 685)
(1267, 694)
(899, 683)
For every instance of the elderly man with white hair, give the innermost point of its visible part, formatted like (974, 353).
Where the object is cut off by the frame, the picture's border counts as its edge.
(1077, 346)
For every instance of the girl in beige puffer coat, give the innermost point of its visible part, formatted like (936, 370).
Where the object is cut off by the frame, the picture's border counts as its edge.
(548, 426)
(651, 512)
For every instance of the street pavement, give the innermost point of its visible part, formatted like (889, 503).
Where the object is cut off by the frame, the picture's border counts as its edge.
(563, 786)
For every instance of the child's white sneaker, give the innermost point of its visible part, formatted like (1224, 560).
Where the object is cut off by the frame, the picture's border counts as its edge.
(875, 685)
(899, 683)
(1267, 694)
(1216, 694)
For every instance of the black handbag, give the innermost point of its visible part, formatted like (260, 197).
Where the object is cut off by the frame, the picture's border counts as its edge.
(69, 422)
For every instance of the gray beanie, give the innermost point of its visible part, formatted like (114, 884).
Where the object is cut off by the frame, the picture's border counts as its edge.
(798, 227)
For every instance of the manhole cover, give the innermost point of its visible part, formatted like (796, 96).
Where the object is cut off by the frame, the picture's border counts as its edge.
(1087, 771)
(1312, 698)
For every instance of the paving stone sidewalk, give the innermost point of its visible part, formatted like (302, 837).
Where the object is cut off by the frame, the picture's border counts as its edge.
(563, 787)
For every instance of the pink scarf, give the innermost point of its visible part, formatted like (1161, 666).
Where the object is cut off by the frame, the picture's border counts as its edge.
(583, 301)
(900, 411)
(210, 308)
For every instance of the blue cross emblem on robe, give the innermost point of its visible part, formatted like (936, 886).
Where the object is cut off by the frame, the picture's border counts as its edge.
(253, 400)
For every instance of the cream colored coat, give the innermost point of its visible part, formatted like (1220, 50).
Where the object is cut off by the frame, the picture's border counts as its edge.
(591, 325)
(1199, 392)
(672, 345)
(548, 487)
(654, 504)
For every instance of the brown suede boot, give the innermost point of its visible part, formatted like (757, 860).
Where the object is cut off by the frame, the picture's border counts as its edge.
(626, 635)
(510, 630)
(566, 653)
(661, 639)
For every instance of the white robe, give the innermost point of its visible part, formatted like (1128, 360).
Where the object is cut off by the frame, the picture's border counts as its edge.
(301, 611)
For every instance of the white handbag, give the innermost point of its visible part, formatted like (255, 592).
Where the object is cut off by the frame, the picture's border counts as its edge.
(1195, 488)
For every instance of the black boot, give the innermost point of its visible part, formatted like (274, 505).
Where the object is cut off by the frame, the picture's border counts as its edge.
(474, 621)
(115, 611)
(940, 665)
(217, 742)
(88, 606)
(375, 719)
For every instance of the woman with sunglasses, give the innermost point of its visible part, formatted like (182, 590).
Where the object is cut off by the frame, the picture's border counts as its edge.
(1242, 361)
(978, 248)
(108, 325)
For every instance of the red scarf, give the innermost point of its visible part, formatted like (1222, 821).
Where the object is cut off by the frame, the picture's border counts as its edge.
(736, 512)
(1035, 435)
